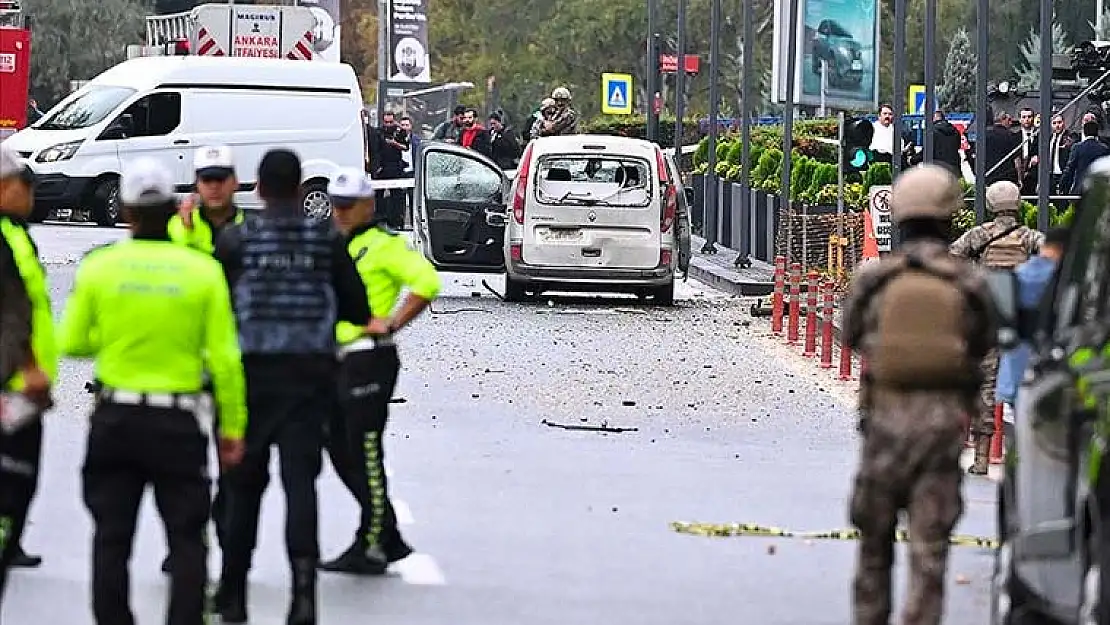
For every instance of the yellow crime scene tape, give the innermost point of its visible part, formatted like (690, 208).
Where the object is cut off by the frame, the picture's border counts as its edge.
(723, 530)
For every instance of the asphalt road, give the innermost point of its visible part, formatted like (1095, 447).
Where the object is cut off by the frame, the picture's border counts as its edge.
(521, 523)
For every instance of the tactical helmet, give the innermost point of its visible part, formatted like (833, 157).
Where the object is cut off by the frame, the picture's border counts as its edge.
(1003, 197)
(925, 192)
(561, 93)
(547, 103)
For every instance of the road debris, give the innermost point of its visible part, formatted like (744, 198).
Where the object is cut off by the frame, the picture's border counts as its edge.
(588, 428)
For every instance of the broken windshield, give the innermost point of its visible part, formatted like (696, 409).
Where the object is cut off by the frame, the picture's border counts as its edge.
(593, 181)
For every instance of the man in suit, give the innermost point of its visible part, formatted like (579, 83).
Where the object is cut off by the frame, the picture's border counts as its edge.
(1087, 151)
(1060, 143)
(946, 144)
(1030, 146)
(1002, 151)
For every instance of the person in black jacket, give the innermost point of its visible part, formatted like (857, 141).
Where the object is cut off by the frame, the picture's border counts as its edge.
(505, 147)
(1002, 151)
(291, 280)
(946, 144)
(1087, 151)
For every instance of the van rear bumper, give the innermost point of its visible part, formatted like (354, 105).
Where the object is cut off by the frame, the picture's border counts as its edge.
(587, 276)
(59, 191)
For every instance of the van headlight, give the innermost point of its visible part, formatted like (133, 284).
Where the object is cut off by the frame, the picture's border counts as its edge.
(60, 152)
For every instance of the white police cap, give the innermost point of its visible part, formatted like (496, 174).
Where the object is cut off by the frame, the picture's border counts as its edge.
(214, 160)
(351, 184)
(145, 182)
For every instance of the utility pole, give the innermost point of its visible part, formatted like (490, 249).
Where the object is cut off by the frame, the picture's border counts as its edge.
(652, 67)
(788, 109)
(746, 87)
(680, 82)
(899, 99)
(982, 48)
(1044, 151)
(384, 18)
(930, 76)
(712, 185)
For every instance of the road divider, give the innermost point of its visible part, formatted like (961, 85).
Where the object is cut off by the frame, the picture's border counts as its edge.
(728, 530)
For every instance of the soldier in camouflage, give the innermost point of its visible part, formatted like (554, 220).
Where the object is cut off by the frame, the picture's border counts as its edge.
(1003, 243)
(564, 121)
(913, 431)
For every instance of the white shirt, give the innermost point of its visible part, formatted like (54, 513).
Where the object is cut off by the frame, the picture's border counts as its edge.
(883, 139)
(1057, 139)
(1026, 143)
(406, 158)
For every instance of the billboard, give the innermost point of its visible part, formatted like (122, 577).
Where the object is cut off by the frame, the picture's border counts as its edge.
(837, 53)
(408, 41)
(326, 34)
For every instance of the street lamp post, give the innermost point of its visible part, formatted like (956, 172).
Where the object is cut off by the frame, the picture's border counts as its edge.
(680, 82)
(709, 218)
(788, 109)
(930, 76)
(898, 102)
(1044, 156)
(652, 67)
(982, 48)
(746, 89)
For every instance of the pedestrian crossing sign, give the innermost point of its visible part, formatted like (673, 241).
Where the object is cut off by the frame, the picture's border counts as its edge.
(616, 94)
(916, 99)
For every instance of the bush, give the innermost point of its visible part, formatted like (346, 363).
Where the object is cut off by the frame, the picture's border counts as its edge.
(635, 126)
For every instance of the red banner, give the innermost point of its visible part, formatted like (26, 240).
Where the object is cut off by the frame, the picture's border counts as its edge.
(668, 63)
(15, 75)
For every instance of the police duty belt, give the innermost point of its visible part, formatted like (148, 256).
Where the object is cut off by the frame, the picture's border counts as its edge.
(725, 530)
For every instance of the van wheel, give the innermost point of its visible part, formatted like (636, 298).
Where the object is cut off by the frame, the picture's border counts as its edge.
(514, 290)
(316, 203)
(664, 295)
(105, 203)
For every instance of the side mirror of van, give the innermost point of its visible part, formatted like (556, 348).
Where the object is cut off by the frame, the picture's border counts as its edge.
(121, 128)
(1004, 291)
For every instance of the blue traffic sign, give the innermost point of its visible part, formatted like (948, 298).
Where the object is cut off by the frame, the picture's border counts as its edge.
(616, 94)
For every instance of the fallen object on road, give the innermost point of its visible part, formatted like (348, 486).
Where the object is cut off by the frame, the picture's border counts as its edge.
(588, 428)
(722, 530)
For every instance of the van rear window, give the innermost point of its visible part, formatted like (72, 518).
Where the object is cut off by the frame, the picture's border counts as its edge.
(590, 180)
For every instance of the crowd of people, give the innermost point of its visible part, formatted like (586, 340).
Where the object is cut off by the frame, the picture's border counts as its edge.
(261, 331)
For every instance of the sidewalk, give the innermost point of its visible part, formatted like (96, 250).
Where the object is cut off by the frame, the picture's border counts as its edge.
(717, 270)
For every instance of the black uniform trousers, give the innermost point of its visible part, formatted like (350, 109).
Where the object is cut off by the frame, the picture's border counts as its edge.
(355, 446)
(288, 399)
(19, 471)
(130, 447)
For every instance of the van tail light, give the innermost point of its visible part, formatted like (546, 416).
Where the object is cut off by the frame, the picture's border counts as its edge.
(522, 185)
(670, 191)
(665, 257)
(515, 252)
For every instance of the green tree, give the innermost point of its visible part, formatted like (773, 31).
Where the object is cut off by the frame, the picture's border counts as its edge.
(77, 39)
(1028, 70)
(957, 91)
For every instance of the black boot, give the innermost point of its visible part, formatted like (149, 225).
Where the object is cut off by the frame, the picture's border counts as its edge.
(358, 560)
(302, 610)
(230, 599)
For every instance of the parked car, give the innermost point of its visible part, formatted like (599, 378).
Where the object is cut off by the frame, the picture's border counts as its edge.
(1051, 564)
(839, 49)
(582, 213)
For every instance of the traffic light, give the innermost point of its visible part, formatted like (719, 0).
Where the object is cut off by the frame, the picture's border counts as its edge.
(858, 133)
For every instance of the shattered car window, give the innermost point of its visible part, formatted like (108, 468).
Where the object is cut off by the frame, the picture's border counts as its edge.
(594, 181)
(452, 177)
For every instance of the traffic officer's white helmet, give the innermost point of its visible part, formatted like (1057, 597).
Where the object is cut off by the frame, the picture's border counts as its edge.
(146, 182)
(350, 184)
(215, 161)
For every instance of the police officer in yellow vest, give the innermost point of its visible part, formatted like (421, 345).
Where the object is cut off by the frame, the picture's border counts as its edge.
(155, 316)
(20, 450)
(370, 367)
(197, 225)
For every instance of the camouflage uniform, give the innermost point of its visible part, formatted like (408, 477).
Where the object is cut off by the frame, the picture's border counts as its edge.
(912, 440)
(15, 317)
(973, 245)
(565, 122)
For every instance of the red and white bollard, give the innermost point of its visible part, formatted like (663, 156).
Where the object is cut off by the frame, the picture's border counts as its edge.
(827, 325)
(778, 295)
(998, 437)
(812, 286)
(845, 362)
(795, 303)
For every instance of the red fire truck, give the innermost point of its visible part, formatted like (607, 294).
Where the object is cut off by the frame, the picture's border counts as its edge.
(15, 70)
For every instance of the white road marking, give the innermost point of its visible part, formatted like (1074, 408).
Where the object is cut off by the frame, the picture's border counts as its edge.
(419, 569)
(403, 512)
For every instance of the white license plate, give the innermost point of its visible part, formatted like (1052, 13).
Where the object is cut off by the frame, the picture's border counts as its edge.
(562, 236)
(857, 66)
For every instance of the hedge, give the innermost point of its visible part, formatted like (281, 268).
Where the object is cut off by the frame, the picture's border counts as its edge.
(635, 126)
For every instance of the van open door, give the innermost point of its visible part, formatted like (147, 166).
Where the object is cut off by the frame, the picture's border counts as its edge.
(459, 207)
